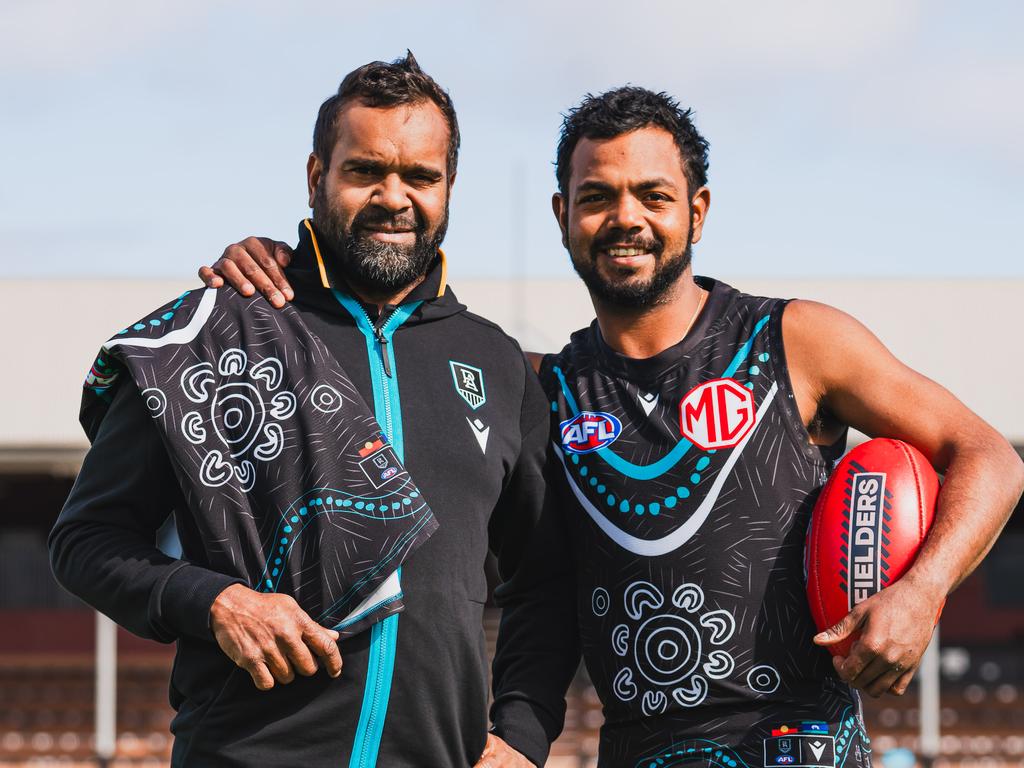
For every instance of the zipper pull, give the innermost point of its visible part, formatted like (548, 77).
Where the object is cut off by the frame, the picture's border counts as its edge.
(383, 341)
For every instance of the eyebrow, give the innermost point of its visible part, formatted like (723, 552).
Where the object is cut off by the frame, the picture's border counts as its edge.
(642, 186)
(376, 165)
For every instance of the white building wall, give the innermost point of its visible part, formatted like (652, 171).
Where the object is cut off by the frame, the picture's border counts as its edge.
(962, 333)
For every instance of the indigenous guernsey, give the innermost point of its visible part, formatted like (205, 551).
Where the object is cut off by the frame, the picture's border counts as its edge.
(244, 396)
(691, 480)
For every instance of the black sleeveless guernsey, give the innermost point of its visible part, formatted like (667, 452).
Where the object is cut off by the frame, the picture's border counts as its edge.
(691, 481)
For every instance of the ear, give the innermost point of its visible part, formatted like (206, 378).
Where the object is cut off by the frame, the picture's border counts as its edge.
(560, 207)
(314, 169)
(451, 182)
(700, 204)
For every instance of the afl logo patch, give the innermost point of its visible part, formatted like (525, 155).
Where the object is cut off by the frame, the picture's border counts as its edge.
(589, 431)
(717, 414)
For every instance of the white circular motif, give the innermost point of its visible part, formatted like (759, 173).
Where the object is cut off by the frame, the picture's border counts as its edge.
(653, 702)
(192, 427)
(196, 381)
(623, 684)
(242, 414)
(719, 665)
(156, 401)
(326, 398)
(763, 679)
(600, 601)
(666, 649)
(620, 639)
(641, 594)
(232, 362)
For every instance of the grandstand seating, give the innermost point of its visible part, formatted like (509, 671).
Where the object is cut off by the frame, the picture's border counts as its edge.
(47, 713)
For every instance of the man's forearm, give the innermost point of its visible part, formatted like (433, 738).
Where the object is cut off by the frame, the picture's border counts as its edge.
(120, 574)
(537, 654)
(103, 547)
(982, 484)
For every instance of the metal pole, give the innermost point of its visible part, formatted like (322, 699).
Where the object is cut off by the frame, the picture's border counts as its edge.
(928, 675)
(106, 689)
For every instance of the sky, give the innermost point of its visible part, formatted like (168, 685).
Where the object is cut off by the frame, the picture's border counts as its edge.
(847, 139)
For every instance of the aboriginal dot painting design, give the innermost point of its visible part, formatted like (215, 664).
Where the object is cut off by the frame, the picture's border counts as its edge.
(688, 526)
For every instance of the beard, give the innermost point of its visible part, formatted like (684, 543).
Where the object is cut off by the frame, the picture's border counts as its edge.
(633, 293)
(372, 265)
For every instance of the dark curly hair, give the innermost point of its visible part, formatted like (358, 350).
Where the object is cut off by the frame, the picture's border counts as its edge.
(383, 84)
(626, 109)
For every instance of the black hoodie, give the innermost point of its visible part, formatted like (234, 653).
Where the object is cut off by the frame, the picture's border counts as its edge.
(457, 394)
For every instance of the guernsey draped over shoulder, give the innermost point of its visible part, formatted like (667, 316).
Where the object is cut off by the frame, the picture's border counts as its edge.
(286, 473)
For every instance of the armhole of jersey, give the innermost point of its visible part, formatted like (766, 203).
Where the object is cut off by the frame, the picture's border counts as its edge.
(819, 454)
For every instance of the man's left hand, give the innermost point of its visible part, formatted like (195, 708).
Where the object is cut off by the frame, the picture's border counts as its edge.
(498, 754)
(895, 626)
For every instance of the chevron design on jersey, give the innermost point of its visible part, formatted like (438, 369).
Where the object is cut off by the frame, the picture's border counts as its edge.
(672, 541)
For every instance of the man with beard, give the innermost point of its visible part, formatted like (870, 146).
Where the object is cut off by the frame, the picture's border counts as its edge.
(455, 400)
(694, 425)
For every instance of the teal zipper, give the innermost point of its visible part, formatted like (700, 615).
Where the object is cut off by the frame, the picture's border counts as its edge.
(384, 634)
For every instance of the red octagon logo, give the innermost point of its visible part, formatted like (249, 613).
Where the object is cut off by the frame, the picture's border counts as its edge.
(717, 414)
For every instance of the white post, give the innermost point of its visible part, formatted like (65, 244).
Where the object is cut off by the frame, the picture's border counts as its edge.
(106, 689)
(928, 676)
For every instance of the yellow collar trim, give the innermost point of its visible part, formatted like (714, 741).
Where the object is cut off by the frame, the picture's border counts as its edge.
(319, 259)
(323, 269)
(444, 274)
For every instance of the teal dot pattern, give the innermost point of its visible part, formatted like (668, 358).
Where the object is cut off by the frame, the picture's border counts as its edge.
(159, 319)
(654, 507)
(294, 521)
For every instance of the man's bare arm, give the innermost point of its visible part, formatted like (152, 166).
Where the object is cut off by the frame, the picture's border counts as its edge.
(848, 373)
(254, 264)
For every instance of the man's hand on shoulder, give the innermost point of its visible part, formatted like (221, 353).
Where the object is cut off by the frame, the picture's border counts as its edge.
(271, 637)
(894, 628)
(498, 754)
(254, 264)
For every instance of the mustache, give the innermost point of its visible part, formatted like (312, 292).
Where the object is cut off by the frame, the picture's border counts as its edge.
(373, 216)
(640, 242)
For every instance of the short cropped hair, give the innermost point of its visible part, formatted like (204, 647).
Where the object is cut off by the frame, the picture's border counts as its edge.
(384, 84)
(626, 109)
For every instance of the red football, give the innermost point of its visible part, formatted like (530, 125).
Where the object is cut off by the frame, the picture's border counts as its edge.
(867, 526)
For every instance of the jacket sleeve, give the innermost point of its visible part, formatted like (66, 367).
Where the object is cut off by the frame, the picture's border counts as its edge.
(103, 546)
(538, 648)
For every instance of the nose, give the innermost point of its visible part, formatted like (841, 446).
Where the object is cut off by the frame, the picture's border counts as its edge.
(391, 195)
(626, 214)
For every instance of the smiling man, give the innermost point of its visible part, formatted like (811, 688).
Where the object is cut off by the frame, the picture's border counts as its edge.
(693, 426)
(719, 418)
(320, 507)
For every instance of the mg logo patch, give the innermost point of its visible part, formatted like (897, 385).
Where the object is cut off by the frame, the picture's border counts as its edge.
(717, 414)
(469, 383)
(589, 431)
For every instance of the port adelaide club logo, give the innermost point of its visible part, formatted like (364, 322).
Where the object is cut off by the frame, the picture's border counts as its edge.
(864, 542)
(590, 431)
(469, 383)
(717, 414)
